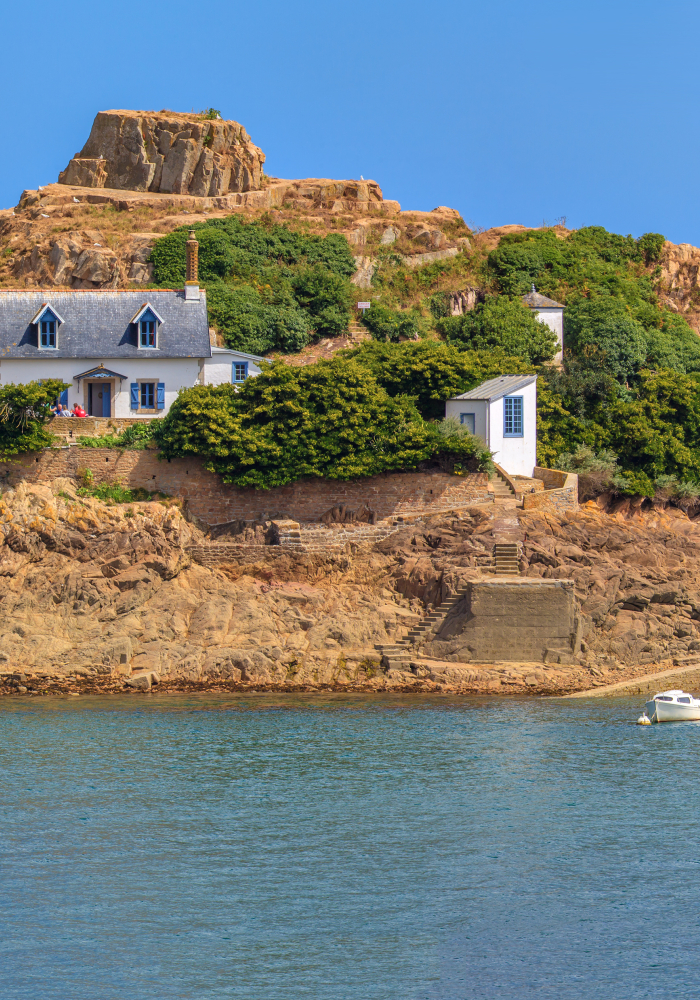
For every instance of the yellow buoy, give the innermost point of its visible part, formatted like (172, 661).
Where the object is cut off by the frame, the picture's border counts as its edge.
(643, 720)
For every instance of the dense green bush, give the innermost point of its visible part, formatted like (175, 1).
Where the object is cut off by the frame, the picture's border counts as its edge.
(24, 412)
(589, 260)
(504, 324)
(325, 297)
(602, 334)
(267, 287)
(246, 247)
(387, 324)
(431, 372)
(257, 321)
(330, 419)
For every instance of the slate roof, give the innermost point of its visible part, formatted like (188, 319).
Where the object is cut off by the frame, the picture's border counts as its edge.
(496, 388)
(98, 323)
(534, 300)
(239, 354)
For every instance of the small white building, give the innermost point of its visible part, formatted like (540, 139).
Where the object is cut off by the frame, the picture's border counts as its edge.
(226, 365)
(124, 353)
(550, 312)
(503, 413)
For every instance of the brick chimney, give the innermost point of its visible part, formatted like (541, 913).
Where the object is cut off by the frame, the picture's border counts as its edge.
(192, 282)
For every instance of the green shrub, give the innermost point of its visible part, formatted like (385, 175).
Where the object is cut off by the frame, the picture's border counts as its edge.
(431, 372)
(233, 245)
(325, 298)
(604, 336)
(255, 323)
(505, 324)
(329, 419)
(387, 324)
(24, 413)
(136, 437)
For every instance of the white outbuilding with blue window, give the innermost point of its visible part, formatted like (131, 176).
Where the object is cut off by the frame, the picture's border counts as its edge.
(503, 413)
(226, 365)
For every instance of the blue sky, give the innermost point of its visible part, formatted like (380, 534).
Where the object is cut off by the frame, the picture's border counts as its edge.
(507, 111)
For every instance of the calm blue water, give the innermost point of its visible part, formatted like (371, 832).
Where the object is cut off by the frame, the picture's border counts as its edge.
(346, 847)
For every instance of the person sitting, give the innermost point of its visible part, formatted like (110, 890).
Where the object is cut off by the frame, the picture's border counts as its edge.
(62, 411)
(78, 411)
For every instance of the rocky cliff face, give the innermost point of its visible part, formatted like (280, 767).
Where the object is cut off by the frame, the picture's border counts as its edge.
(102, 597)
(166, 152)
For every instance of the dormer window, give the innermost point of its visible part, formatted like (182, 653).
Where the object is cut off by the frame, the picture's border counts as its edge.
(147, 332)
(147, 322)
(47, 336)
(47, 322)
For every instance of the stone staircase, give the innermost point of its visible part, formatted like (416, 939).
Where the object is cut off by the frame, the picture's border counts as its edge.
(399, 650)
(506, 558)
(501, 489)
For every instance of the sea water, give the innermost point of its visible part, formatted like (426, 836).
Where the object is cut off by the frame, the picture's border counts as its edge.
(350, 847)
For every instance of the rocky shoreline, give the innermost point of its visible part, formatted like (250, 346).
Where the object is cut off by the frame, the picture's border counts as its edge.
(102, 598)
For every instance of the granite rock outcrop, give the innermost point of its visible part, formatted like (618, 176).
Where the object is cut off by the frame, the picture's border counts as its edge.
(166, 152)
(101, 597)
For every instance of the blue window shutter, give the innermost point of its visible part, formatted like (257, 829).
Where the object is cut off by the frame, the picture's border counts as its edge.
(134, 395)
(63, 398)
(161, 395)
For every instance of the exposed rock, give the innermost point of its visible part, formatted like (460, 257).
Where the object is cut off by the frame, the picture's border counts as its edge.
(166, 152)
(91, 599)
(464, 301)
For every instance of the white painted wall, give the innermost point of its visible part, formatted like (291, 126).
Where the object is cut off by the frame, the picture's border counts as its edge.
(176, 373)
(554, 318)
(517, 455)
(218, 369)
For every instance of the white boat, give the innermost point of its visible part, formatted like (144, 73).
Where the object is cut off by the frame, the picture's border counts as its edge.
(673, 706)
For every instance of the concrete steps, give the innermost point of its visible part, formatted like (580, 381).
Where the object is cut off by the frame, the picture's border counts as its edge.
(501, 489)
(506, 558)
(428, 622)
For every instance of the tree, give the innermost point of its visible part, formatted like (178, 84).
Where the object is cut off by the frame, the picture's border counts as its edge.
(658, 430)
(24, 412)
(325, 298)
(505, 324)
(387, 324)
(603, 335)
(254, 323)
(431, 372)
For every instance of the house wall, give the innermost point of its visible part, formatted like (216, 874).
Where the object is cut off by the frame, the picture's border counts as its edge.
(218, 368)
(215, 502)
(554, 318)
(518, 456)
(176, 373)
(479, 407)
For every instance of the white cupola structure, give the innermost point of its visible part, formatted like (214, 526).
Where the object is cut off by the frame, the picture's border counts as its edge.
(550, 312)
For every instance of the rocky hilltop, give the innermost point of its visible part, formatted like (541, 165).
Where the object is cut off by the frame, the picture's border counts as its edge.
(166, 152)
(98, 596)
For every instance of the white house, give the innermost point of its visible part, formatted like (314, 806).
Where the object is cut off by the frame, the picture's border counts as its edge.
(124, 353)
(550, 312)
(503, 413)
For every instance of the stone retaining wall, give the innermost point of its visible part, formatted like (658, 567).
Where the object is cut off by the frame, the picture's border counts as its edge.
(516, 619)
(214, 502)
(71, 428)
(560, 491)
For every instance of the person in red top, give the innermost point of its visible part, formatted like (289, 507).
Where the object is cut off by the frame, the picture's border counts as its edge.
(78, 411)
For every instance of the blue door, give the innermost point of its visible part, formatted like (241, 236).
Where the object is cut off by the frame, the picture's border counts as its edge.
(106, 400)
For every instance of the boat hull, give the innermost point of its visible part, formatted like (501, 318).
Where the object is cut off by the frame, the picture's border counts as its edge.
(667, 711)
